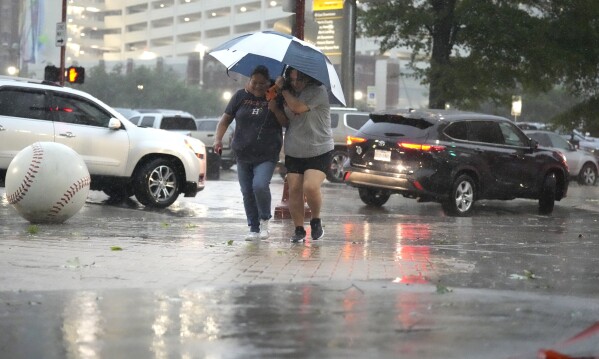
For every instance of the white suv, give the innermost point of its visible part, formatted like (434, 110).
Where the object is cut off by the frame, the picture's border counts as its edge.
(123, 159)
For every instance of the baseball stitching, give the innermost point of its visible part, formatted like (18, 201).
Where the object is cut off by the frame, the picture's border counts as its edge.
(68, 195)
(36, 160)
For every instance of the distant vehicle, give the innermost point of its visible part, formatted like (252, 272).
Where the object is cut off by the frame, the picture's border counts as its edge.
(531, 125)
(127, 112)
(183, 123)
(581, 164)
(454, 158)
(206, 132)
(122, 159)
(584, 142)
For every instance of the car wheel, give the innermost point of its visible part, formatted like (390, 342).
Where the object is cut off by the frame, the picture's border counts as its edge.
(118, 192)
(461, 198)
(587, 175)
(336, 173)
(157, 184)
(374, 197)
(547, 197)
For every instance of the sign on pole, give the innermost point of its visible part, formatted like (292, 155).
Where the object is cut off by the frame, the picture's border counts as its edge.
(61, 34)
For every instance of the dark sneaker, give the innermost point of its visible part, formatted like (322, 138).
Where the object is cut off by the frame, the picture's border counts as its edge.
(300, 235)
(316, 228)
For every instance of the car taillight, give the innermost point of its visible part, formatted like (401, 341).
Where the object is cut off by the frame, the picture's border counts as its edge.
(351, 140)
(421, 147)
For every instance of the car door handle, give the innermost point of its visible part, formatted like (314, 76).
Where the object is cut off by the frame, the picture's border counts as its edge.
(210, 135)
(67, 134)
(2, 128)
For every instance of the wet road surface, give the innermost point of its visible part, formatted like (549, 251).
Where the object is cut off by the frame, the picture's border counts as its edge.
(400, 281)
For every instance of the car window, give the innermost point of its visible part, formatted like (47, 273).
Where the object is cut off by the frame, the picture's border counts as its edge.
(207, 126)
(457, 130)
(178, 123)
(79, 111)
(147, 121)
(485, 131)
(134, 119)
(397, 126)
(558, 142)
(334, 120)
(26, 104)
(511, 135)
(541, 138)
(356, 121)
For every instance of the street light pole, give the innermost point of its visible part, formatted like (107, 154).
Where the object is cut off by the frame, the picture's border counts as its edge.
(62, 48)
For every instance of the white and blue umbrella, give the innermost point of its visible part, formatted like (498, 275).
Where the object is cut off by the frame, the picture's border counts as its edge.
(276, 51)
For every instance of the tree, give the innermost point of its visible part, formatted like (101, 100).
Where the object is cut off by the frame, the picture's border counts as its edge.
(150, 88)
(485, 50)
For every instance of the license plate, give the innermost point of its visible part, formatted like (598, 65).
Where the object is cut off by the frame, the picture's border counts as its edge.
(382, 155)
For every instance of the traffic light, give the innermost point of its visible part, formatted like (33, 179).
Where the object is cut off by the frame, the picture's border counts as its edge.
(75, 75)
(52, 73)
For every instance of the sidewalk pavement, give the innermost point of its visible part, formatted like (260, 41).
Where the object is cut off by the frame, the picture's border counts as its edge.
(122, 281)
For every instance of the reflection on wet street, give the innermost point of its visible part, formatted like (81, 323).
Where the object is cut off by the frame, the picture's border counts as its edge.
(403, 280)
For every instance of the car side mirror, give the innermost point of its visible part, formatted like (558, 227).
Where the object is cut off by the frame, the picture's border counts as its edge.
(114, 124)
(533, 144)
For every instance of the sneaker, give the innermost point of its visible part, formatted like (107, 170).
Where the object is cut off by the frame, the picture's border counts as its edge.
(300, 235)
(264, 232)
(316, 228)
(251, 236)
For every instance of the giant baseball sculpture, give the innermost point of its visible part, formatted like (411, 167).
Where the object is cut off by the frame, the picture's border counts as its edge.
(47, 182)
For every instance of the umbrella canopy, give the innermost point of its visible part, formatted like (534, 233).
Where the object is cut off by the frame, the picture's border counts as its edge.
(276, 51)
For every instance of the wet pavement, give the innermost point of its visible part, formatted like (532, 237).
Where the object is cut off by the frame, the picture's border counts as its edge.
(122, 281)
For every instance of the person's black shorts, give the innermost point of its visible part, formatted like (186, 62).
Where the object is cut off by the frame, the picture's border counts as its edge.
(300, 165)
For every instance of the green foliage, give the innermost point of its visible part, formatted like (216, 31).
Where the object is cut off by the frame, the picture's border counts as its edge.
(161, 89)
(473, 52)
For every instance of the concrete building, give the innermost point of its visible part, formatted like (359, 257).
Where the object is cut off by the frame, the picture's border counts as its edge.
(180, 34)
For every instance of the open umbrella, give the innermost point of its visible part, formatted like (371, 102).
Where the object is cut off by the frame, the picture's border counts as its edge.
(276, 50)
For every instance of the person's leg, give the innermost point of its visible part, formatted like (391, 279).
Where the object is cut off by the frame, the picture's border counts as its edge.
(296, 198)
(245, 176)
(261, 187)
(313, 180)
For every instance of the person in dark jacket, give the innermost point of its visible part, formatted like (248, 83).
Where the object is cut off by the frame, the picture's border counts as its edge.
(257, 142)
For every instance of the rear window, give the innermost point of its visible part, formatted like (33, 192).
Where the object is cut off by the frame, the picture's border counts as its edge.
(396, 126)
(178, 123)
(207, 126)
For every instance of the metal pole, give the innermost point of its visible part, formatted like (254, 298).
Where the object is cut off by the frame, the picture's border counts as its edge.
(348, 60)
(62, 48)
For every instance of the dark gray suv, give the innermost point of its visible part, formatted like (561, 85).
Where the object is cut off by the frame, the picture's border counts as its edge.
(454, 158)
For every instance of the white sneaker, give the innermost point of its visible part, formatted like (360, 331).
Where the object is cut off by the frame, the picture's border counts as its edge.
(264, 233)
(251, 236)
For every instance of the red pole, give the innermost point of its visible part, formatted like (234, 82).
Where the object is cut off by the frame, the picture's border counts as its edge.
(300, 9)
(62, 48)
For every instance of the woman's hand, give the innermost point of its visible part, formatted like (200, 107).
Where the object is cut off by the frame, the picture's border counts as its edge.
(218, 147)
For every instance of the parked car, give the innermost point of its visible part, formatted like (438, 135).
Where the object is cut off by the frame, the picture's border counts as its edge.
(345, 121)
(122, 159)
(206, 132)
(583, 141)
(582, 165)
(455, 158)
(183, 123)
